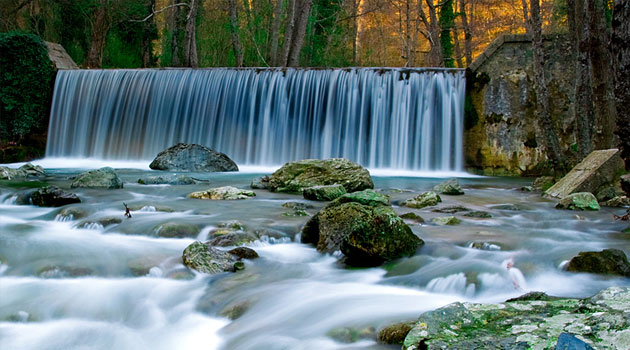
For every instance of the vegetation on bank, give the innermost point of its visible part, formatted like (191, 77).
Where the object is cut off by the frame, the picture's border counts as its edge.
(26, 79)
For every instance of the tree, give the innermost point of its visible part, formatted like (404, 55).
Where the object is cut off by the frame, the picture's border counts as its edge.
(101, 23)
(431, 32)
(620, 40)
(534, 29)
(447, 23)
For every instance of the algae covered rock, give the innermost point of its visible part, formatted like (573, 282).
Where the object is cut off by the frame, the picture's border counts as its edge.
(449, 187)
(296, 176)
(579, 201)
(52, 196)
(222, 193)
(205, 258)
(446, 220)
(100, 178)
(525, 324)
(608, 261)
(324, 192)
(426, 199)
(192, 157)
(367, 231)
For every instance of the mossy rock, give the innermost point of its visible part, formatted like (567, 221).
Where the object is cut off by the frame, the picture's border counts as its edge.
(324, 192)
(52, 196)
(579, 201)
(207, 259)
(478, 214)
(176, 230)
(446, 220)
(222, 193)
(449, 187)
(425, 199)
(608, 261)
(352, 335)
(395, 333)
(232, 239)
(294, 177)
(367, 197)
(412, 216)
(104, 178)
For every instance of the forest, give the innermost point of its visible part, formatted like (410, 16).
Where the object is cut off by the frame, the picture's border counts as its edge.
(270, 33)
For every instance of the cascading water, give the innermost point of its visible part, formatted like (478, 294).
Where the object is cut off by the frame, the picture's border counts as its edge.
(381, 118)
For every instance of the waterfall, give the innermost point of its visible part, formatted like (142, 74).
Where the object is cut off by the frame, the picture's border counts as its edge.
(409, 119)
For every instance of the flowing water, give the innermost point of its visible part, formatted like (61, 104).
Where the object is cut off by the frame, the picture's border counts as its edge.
(406, 119)
(67, 282)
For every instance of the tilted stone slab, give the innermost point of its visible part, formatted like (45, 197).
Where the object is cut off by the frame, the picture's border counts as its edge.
(597, 169)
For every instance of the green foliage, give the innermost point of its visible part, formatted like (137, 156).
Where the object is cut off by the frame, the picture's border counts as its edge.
(328, 43)
(447, 22)
(26, 75)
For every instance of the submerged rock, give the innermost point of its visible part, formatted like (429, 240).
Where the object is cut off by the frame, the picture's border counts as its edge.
(451, 209)
(619, 201)
(192, 157)
(478, 214)
(203, 257)
(26, 170)
(608, 261)
(352, 335)
(324, 192)
(244, 253)
(176, 230)
(222, 193)
(395, 333)
(412, 216)
(100, 178)
(367, 234)
(426, 199)
(52, 196)
(525, 324)
(446, 220)
(260, 183)
(296, 176)
(449, 187)
(232, 239)
(167, 180)
(579, 201)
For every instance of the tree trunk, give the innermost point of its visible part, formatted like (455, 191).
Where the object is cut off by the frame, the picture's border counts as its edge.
(434, 58)
(621, 59)
(467, 32)
(408, 48)
(458, 49)
(190, 45)
(355, 30)
(580, 36)
(275, 33)
(236, 42)
(174, 25)
(98, 36)
(550, 137)
(601, 74)
(288, 33)
(299, 31)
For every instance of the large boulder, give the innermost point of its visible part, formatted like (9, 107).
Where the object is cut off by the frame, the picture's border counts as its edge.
(596, 170)
(449, 187)
(192, 157)
(525, 324)
(100, 178)
(367, 234)
(203, 257)
(422, 200)
(52, 196)
(324, 192)
(579, 201)
(26, 170)
(608, 261)
(222, 193)
(296, 176)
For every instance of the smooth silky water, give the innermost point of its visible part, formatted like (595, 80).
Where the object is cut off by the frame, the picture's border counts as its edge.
(65, 285)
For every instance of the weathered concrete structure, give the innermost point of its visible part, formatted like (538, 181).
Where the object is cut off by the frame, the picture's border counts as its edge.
(502, 136)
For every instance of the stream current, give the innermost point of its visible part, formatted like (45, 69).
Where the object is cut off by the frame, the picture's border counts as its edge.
(67, 282)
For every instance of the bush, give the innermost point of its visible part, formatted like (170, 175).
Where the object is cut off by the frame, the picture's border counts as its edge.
(26, 76)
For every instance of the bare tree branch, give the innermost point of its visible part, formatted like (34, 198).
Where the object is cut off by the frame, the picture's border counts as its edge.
(153, 12)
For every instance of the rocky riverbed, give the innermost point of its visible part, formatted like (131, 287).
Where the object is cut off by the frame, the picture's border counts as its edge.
(85, 275)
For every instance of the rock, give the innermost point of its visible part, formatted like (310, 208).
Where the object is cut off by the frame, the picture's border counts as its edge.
(543, 183)
(598, 168)
(367, 235)
(366, 197)
(205, 258)
(508, 207)
(412, 216)
(63, 271)
(233, 225)
(72, 213)
(608, 193)
(296, 213)
(579, 201)
(478, 214)
(26, 170)
(324, 192)
(141, 266)
(395, 333)
(296, 176)
(625, 184)
(620, 201)
(484, 246)
(450, 210)
(101, 178)
(425, 199)
(106, 221)
(232, 239)
(261, 183)
(449, 187)
(445, 220)
(532, 296)
(352, 335)
(297, 205)
(52, 196)
(527, 189)
(222, 193)
(608, 261)
(244, 253)
(525, 324)
(235, 310)
(568, 341)
(192, 157)
(176, 230)
(167, 180)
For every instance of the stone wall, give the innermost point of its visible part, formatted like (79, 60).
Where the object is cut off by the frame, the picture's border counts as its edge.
(502, 136)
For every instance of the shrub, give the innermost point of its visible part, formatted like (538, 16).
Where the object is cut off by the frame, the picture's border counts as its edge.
(26, 76)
